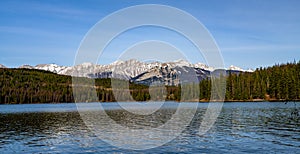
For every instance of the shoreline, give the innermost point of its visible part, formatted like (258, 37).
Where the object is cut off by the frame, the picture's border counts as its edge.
(190, 101)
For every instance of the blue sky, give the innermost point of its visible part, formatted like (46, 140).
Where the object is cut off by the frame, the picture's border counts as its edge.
(249, 34)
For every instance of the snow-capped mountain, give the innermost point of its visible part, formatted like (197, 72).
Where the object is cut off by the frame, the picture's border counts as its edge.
(27, 67)
(2, 66)
(203, 66)
(169, 73)
(235, 68)
(52, 68)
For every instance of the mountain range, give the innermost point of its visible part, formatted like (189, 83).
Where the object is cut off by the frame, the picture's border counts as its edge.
(136, 71)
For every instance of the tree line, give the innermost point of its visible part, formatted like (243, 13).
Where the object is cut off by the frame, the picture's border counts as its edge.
(20, 86)
(278, 83)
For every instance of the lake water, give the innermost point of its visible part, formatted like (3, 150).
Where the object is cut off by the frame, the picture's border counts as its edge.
(240, 128)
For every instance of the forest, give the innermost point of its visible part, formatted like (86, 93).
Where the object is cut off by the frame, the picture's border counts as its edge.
(23, 86)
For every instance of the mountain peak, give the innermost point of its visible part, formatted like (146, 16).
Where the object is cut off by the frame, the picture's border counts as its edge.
(51, 67)
(235, 68)
(26, 66)
(125, 68)
(87, 64)
(182, 62)
(2, 66)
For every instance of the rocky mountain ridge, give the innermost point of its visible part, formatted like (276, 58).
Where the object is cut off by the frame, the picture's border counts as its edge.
(168, 73)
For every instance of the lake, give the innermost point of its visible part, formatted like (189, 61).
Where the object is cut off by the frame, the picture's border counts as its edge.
(263, 127)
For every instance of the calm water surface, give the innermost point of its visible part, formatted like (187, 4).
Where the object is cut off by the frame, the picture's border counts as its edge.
(240, 128)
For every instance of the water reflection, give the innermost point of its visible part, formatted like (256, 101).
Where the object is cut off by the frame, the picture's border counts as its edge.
(241, 127)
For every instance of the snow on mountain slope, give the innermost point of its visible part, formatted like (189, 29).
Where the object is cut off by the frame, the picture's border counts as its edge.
(2, 66)
(136, 71)
(26, 66)
(203, 66)
(235, 68)
(52, 68)
(249, 70)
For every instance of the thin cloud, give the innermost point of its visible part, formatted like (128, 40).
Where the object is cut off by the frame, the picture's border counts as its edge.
(264, 48)
(49, 9)
(34, 32)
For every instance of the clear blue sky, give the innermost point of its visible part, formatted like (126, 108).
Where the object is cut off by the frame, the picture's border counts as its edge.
(249, 33)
